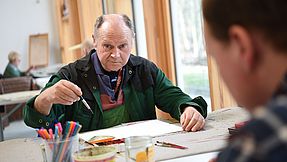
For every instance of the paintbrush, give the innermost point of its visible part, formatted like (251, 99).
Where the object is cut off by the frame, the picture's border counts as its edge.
(81, 97)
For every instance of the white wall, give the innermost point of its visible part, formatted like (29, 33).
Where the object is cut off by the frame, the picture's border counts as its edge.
(21, 18)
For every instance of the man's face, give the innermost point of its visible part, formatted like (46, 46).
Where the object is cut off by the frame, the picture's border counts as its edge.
(113, 43)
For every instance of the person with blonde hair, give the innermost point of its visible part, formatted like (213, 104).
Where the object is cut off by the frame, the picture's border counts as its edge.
(12, 68)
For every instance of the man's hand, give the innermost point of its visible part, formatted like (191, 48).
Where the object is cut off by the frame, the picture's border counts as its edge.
(191, 120)
(63, 92)
(213, 160)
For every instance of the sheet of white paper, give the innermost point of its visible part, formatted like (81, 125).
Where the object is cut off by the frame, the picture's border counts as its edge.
(150, 127)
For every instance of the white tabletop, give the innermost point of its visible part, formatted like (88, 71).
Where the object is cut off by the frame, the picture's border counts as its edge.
(205, 157)
(46, 71)
(202, 145)
(41, 82)
(17, 97)
(20, 150)
(212, 138)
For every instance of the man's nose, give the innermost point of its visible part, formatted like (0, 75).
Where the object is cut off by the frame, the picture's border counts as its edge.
(116, 53)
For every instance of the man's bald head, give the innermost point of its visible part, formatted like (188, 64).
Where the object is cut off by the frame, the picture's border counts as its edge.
(119, 20)
(113, 40)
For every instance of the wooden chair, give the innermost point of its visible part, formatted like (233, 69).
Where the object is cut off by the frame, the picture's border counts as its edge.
(8, 85)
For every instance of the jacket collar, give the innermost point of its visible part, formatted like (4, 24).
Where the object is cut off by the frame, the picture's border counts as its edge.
(133, 61)
(85, 64)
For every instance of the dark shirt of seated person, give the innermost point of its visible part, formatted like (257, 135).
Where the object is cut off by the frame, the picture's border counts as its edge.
(12, 68)
(250, 47)
(119, 87)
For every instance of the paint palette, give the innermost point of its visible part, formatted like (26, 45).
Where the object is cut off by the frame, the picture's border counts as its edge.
(100, 139)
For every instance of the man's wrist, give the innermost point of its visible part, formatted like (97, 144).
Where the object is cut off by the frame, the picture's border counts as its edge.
(42, 104)
(189, 107)
(184, 106)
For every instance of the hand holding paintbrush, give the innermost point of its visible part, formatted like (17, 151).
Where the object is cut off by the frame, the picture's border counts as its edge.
(81, 97)
(63, 92)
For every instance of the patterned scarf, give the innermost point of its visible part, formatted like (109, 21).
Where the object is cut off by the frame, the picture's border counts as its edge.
(110, 85)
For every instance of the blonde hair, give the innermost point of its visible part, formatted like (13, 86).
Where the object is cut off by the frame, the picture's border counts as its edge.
(12, 56)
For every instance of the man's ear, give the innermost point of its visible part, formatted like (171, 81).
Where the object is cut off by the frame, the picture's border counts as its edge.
(243, 42)
(94, 41)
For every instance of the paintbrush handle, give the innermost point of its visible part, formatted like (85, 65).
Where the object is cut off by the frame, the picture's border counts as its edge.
(167, 144)
(81, 97)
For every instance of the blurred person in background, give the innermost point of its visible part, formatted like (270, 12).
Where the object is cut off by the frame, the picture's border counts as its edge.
(87, 46)
(12, 68)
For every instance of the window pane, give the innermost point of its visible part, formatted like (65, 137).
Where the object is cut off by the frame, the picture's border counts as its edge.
(121, 7)
(140, 28)
(190, 56)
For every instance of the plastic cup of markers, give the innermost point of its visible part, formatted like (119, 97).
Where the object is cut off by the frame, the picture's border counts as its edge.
(60, 150)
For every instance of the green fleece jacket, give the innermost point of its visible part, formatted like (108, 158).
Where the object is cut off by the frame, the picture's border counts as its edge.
(145, 86)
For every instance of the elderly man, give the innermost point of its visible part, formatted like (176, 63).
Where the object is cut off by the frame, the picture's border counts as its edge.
(118, 86)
